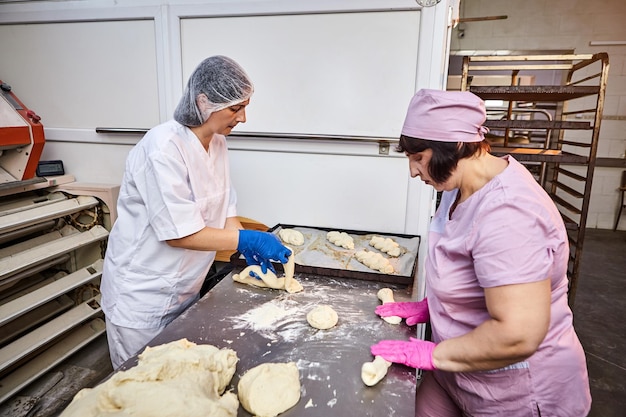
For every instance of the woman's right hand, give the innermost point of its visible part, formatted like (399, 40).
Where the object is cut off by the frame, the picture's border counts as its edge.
(259, 248)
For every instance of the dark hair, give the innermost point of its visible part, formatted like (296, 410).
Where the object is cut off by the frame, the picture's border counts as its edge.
(446, 155)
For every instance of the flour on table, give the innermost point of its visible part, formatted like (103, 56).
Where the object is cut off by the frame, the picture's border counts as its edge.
(169, 379)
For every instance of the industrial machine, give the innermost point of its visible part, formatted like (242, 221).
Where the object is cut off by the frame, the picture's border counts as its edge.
(53, 234)
(21, 138)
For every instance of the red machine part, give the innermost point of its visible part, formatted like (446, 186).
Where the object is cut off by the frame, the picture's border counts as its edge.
(28, 136)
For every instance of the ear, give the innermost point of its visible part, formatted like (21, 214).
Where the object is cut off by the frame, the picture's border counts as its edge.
(204, 106)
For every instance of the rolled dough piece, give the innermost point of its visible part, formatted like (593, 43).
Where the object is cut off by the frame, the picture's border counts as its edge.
(269, 389)
(322, 317)
(269, 279)
(176, 378)
(386, 296)
(387, 245)
(291, 237)
(373, 372)
(341, 239)
(374, 260)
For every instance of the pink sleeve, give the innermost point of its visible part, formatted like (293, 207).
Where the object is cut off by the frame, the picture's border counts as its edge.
(513, 242)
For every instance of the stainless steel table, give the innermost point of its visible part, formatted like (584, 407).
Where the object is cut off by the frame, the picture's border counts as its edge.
(264, 325)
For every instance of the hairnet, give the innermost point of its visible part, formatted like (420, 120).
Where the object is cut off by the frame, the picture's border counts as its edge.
(446, 116)
(222, 81)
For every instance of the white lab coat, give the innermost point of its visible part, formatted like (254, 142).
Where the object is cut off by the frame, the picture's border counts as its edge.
(171, 188)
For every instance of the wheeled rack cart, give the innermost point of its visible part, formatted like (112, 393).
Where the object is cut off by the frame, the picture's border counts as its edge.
(552, 127)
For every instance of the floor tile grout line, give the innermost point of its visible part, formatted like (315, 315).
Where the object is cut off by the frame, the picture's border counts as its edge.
(604, 360)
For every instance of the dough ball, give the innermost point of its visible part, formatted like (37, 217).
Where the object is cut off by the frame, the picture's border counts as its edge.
(270, 389)
(291, 237)
(322, 317)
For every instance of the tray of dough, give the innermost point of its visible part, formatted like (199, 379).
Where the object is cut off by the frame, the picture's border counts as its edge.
(394, 256)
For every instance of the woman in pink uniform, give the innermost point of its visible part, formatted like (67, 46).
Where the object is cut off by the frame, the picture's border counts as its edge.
(503, 342)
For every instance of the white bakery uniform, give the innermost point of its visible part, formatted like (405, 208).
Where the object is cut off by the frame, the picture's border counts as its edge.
(172, 187)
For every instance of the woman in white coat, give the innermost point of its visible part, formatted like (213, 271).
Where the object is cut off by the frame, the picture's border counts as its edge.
(176, 208)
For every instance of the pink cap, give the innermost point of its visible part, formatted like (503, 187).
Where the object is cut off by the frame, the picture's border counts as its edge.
(446, 116)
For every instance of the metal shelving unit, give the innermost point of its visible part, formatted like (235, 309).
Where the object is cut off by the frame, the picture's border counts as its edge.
(560, 150)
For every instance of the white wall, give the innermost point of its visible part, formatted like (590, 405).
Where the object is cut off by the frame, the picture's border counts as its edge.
(565, 25)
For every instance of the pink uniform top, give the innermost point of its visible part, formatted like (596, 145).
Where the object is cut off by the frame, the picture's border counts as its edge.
(508, 232)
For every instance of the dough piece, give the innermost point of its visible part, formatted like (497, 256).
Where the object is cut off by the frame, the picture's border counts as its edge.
(341, 239)
(291, 237)
(374, 260)
(322, 317)
(269, 279)
(373, 372)
(386, 296)
(269, 389)
(387, 245)
(170, 379)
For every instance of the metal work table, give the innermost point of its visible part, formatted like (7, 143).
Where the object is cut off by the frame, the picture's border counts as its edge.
(264, 325)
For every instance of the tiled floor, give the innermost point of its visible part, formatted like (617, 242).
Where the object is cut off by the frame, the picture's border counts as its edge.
(600, 319)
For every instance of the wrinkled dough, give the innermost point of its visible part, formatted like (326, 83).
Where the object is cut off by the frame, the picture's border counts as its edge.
(269, 279)
(387, 245)
(386, 296)
(322, 317)
(291, 237)
(373, 372)
(375, 261)
(270, 389)
(176, 377)
(341, 239)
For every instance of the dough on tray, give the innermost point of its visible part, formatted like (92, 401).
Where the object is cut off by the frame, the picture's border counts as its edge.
(269, 279)
(341, 239)
(374, 260)
(269, 389)
(170, 379)
(373, 372)
(386, 296)
(322, 317)
(291, 236)
(387, 245)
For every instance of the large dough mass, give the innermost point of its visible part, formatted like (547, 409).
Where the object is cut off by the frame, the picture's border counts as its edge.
(270, 389)
(174, 379)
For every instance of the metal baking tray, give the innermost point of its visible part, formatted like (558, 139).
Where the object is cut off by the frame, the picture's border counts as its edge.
(320, 257)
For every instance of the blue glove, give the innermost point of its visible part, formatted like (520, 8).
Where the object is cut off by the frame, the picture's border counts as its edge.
(260, 247)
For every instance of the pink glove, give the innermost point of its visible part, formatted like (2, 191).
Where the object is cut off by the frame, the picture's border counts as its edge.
(415, 353)
(413, 311)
